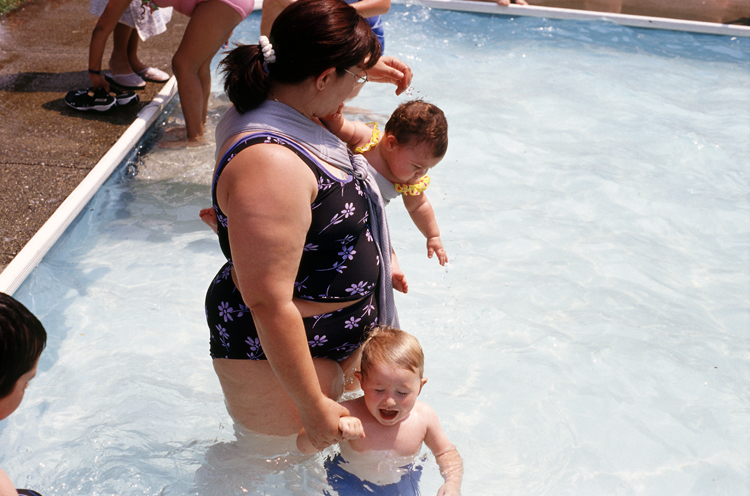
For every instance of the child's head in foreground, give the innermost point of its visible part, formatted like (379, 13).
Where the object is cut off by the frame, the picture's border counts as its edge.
(391, 373)
(22, 340)
(416, 139)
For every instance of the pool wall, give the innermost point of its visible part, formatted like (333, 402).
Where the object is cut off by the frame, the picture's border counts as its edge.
(639, 21)
(33, 252)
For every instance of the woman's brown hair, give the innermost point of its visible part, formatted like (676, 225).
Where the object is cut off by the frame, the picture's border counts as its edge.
(308, 37)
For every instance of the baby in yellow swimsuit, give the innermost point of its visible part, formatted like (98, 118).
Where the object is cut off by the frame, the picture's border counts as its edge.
(415, 139)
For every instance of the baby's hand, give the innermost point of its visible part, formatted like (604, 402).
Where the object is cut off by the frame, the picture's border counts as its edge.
(449, 489)
(351, 428)
(435, 247)
(335, 121)
(398, 278)
(208, 216)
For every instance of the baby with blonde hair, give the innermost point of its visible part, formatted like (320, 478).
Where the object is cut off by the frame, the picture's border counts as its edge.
(387, 426)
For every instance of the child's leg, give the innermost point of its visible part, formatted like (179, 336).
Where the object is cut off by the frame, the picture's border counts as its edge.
(118, 62)
(211, 23)
(133, 60)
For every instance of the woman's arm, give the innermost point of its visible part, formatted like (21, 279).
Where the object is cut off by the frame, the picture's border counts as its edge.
(6, 486)
(266, 192)
(371, 8)
(421, 213)
(104, 27)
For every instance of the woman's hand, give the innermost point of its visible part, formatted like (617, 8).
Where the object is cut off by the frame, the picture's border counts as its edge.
(391, 70)
(321, 422)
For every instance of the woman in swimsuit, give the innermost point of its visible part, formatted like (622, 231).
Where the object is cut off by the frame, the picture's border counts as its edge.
(299, 222)
(211, 24)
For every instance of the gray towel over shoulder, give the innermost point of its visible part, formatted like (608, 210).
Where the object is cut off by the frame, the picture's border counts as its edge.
(279, 118)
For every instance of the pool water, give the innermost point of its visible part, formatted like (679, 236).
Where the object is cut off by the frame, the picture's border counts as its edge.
(591, 334)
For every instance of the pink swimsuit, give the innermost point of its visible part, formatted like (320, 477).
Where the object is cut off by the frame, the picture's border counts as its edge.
(186, 7)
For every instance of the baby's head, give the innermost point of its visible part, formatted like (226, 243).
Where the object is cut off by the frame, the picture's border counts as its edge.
(391, 373)
(415, 139)
(22, 339)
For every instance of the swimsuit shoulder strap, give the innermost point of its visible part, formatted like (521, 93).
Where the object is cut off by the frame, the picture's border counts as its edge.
(263, 138)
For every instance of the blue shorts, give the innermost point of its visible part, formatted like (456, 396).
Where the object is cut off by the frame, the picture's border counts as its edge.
(348, 484)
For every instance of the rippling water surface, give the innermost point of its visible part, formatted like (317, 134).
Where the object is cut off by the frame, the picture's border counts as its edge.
(590, 335)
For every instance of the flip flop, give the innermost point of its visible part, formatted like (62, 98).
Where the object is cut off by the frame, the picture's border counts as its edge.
(153, 75)
(27, 492)
(130, 81)
(89, 99)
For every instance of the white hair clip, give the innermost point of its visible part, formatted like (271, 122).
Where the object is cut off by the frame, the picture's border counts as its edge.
(268, 54)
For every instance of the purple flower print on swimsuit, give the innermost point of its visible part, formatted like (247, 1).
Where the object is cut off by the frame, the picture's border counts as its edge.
(225, 311)
(368, 309)
(347, 252)
(225, 274)
(358, 289)
(347, 212)
(223, 336)
(320, 317)
(317, 341)
(254, 345)
(351, 323)
(324, 183)
(347, 348)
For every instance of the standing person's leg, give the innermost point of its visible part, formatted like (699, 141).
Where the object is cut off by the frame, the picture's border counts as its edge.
(210, 25)
(118, 62)
(145, 72)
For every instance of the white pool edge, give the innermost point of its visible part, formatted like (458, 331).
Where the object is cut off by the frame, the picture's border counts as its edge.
(31, 254)
(491, 7)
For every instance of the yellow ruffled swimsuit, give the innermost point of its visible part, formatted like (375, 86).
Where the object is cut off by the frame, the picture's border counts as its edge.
(404, 189)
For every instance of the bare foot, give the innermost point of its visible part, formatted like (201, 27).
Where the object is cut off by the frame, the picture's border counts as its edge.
(208, 216)
(182, 143)
(174, 133)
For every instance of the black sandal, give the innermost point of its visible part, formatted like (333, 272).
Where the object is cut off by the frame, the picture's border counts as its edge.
(90, 99)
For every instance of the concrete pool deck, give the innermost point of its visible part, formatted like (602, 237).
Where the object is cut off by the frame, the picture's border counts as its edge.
(47, 148)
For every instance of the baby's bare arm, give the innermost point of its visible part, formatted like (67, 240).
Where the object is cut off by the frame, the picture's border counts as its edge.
(353, 133)
(421, 213)
(446, 455)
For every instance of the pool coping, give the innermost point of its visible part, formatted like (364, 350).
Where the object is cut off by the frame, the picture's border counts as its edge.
(490, 7)
(31, 254)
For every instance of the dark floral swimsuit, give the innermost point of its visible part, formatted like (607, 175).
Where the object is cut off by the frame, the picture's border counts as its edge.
(339, 263)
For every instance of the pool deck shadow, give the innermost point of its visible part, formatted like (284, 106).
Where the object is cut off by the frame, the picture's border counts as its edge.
(46, 147)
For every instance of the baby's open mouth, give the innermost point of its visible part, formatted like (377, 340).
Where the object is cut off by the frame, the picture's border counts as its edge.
(388, 414)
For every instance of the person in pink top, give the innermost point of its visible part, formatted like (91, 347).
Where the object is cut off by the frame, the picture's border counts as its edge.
(211, 24)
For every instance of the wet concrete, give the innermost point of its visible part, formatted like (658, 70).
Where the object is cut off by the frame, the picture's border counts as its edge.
(47, 148)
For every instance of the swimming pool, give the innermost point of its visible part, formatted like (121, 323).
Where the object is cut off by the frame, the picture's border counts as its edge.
(590, 335)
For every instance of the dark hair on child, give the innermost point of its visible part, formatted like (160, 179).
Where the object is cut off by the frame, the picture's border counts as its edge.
(22, 340)
(393, 347)
(416, 122)
(308, 37)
